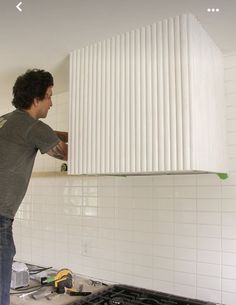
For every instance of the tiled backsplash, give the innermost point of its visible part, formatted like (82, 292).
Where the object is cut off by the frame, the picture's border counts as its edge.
(171, 233)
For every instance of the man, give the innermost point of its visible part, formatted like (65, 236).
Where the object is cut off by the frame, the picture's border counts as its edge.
(22, 134)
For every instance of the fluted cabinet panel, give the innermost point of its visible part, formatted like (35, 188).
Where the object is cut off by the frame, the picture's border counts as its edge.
(134, 106)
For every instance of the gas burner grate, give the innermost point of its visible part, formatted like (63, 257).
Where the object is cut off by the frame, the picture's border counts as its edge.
(128, 295)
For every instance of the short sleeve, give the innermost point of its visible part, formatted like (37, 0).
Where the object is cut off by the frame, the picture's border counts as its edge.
(42, 137)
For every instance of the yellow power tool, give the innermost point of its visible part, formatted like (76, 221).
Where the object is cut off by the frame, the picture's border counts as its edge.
(63, 279)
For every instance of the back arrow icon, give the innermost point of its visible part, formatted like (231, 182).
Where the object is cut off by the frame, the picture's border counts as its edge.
(18, 6)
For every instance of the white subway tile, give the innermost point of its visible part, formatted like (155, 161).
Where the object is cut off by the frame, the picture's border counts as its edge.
(182, 241)
(142, 181)
(142, 271)
(210, 218)
(229, 245)
(185, 180)
(124, 203)
(123, 257)
(229, 61)
(124, 235)
(230, 86)
(209, 269)
(108, 191)
(121, 181)
(185, 229)
(163, 227)
(228, 298)
(163, 240)
(229, 219)
(209, 282)
(163, 263)
(142, 282)
(143, 203)
(106, 202)
(185, 266)
(231, 136)
(185, 217)
(208, 192)
(185, 254)
(163, 192)
(231, 99)
(106, 212)
(163, 203)
(167, 287)
(185, 204)
(125, 279)
(124, 213)
(163, 180)
(185, 290)
(229, 272)
(142, 214)
(107, 233)
(163, 216)
(229, 232)
(232, 164)
(231, 126)
(184, 278)
(106, 181)
(210, 295)
(230, 111)
(212, 257)
(142, 226)
(142, 192)
(209, 205)
(229, 285)
(87, 211)
(163, 251)
(207, 243)
(163, 275)
(125, 224)
(142, 248)
(229, 258)
(185, 192)
(122, 267)
(209, 231)
(142, 237)
(207, 180)
(145, 260)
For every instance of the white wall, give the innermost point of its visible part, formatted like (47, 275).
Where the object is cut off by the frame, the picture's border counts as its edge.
(171, 233)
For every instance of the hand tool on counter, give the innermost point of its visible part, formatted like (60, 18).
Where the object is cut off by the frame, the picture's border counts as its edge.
(62, 280)
(77, 292)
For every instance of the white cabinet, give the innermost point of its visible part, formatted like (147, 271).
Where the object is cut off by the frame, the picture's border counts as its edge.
(148, 101)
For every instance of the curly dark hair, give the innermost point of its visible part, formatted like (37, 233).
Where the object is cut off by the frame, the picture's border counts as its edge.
(32, 84)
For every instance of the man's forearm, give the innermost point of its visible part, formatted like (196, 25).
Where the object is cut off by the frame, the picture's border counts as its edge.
(62, 135)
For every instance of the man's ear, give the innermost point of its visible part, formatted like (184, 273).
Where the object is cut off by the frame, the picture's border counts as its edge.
(36, 101)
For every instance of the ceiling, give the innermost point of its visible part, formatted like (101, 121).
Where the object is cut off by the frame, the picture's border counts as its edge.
(44, 33)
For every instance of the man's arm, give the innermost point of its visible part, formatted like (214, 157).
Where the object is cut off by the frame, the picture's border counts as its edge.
(60, 151)
(62, 135)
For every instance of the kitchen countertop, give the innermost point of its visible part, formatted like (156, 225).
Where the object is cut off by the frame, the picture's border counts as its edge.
(59, 299)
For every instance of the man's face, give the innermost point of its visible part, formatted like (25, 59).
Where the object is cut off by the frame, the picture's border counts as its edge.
(45, 104)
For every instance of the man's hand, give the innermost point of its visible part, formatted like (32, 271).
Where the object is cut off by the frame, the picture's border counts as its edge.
(60, 151)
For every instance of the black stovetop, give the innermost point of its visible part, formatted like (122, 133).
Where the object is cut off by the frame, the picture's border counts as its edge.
(127, 295)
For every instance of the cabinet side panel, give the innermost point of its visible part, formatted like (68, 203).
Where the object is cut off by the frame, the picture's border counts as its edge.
(207, 100)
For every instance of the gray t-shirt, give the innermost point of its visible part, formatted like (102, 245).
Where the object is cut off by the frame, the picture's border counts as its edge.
(21, 136)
